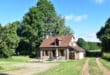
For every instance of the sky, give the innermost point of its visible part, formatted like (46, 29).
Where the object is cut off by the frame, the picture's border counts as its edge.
(84, 17)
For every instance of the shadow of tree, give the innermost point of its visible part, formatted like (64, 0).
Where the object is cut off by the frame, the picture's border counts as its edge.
(93, 54)
(3, 74)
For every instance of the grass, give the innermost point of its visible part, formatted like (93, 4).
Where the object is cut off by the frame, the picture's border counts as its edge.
(15, 59)
(93, 67)
(106, 63)
(97, 50)
(106, 56)
(66, 68)
(7, 64)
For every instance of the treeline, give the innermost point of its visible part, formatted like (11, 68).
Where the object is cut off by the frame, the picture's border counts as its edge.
(24, 37)
(88, 45)
(104, 36)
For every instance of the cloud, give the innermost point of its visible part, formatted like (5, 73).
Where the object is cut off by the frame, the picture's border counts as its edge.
(88, 36)
(76, 18)
(99, 1)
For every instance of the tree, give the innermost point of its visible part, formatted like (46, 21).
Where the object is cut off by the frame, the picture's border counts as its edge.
(82, 43)
(104, 36)
(8, 39)
(41, 20)
(94, 45)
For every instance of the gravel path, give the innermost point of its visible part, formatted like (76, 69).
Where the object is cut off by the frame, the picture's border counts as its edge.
(30, 68)
(85, 70)
(102, 68)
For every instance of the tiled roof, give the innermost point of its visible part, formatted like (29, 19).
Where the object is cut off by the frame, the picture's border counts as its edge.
(50, 40)
(77, 48)
(64, 42)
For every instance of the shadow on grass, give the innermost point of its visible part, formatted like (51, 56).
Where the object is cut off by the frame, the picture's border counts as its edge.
(3, 74)
(93, 54)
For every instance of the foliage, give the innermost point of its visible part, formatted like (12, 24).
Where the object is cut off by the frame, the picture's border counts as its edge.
(106, 56)
(104, 36)
(66, 68)
(82, 43)
(94, 45)
(88, 45)
(8, 39)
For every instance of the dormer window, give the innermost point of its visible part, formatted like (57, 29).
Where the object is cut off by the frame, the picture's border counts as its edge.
(57, 42)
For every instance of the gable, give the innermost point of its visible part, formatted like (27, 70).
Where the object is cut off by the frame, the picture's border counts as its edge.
(72, 42)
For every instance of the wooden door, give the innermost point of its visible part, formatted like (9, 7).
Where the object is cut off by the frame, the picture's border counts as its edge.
(72, 56)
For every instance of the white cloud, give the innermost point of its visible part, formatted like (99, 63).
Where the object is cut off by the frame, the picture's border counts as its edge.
(99, 1)
(69, 17)
(88, 37)
(76, 18)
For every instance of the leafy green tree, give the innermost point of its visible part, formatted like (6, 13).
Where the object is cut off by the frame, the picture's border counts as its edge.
(104, 36)
(8, 39)
(82, 43)
(94, 45)
(41, 20)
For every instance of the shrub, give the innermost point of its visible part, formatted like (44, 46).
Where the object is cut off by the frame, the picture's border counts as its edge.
(106, 56)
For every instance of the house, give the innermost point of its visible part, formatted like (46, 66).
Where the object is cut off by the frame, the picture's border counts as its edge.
(60, 48)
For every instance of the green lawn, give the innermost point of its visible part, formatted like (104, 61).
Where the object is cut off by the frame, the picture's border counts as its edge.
(66, 68)
(8, 64)
(93, 67)
(15, 59)
(105, 63)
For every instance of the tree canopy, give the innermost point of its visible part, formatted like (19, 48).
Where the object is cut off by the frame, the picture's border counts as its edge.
(104, 36)
(82, 43)
(39, 21)
(8, 39)
(88, 45)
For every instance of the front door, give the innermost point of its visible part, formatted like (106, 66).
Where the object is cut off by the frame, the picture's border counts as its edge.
(72, 55)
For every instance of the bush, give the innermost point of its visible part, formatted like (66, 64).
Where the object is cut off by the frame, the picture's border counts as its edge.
(32, 55)
(106, 56)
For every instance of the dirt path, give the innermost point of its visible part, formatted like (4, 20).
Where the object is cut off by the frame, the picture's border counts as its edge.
(85, 70)
(102, 68)
(31, 68)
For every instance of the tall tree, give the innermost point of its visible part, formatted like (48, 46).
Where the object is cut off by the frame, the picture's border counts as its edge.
(104, 36)
(41, 20)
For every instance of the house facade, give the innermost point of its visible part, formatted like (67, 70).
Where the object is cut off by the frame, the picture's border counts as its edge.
(61, 48)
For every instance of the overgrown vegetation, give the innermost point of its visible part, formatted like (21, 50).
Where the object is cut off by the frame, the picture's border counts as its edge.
(66, 68)
(93, 67)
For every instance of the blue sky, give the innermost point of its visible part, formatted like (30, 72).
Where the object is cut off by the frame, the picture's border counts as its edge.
(85, 17)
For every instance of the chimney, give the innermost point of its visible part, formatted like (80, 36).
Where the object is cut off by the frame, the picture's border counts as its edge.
(47, 36)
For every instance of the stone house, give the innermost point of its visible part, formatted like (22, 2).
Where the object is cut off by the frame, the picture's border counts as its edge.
(61, 48)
